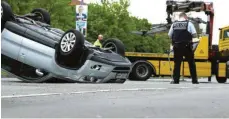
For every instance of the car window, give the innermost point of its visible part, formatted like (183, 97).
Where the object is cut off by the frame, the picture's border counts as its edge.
(226, 34)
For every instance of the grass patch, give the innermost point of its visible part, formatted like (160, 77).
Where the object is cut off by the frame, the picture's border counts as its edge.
(4, 74)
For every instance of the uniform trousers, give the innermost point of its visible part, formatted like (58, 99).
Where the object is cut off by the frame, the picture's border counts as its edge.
(184, 50)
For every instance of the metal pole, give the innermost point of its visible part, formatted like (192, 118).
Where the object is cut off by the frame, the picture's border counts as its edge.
(183, 71)
(170, 65)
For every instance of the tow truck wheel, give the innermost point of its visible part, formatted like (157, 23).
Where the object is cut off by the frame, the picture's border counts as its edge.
(221, 79)
(141, 71)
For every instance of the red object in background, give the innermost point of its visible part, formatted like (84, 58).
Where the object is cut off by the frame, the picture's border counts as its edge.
(77, 2)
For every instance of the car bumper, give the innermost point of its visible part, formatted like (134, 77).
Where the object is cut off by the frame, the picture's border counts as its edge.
(97, 70)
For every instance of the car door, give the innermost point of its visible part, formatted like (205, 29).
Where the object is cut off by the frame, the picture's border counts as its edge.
(36, 54)
(11, 44)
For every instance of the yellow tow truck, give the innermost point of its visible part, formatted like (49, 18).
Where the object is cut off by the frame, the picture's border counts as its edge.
(210, 59)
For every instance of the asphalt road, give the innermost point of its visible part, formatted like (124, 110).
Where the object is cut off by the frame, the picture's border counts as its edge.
(154, 98)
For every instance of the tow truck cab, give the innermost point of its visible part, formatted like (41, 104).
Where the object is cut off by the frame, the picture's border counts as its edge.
(224, 47)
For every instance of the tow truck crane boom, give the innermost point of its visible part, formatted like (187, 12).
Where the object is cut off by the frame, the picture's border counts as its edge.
(192, 6)
(173, 6)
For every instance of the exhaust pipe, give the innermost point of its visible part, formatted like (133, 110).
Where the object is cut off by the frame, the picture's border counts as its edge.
(39, 73)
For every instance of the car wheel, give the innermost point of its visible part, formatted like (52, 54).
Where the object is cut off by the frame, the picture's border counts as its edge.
(42, 15)
(141, 72)
(6, 13)
(71, 43)
(221, 79)
(116, 46)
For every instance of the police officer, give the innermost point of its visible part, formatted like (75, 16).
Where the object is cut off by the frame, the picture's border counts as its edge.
(182, 32)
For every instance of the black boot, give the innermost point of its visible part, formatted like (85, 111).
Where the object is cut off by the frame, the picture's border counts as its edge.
(174, 82)
(195, 82)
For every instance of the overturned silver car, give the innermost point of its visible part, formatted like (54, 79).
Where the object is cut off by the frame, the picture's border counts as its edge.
(35, 52)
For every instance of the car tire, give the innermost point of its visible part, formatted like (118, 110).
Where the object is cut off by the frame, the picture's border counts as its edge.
(6, 13)
(141, 72)
(116, 45)
(221, 79)
(43, 14)
(71, 43)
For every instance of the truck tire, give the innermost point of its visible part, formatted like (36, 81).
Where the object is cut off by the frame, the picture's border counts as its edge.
(42, 15)
(116, 45)
(221, 79)
(141, 71)
(6, 13)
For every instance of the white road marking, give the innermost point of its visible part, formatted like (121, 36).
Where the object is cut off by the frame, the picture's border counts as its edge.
(30, 95)
(81, 92)
(105, 90)
(211, 87)
(186, 87)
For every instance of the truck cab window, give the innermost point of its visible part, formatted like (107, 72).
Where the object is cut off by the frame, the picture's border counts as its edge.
(226, 34)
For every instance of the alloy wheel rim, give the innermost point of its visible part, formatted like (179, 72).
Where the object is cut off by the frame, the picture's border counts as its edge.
(68, 42)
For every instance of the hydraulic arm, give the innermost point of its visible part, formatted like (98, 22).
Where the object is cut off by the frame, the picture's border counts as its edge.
(173, 6)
